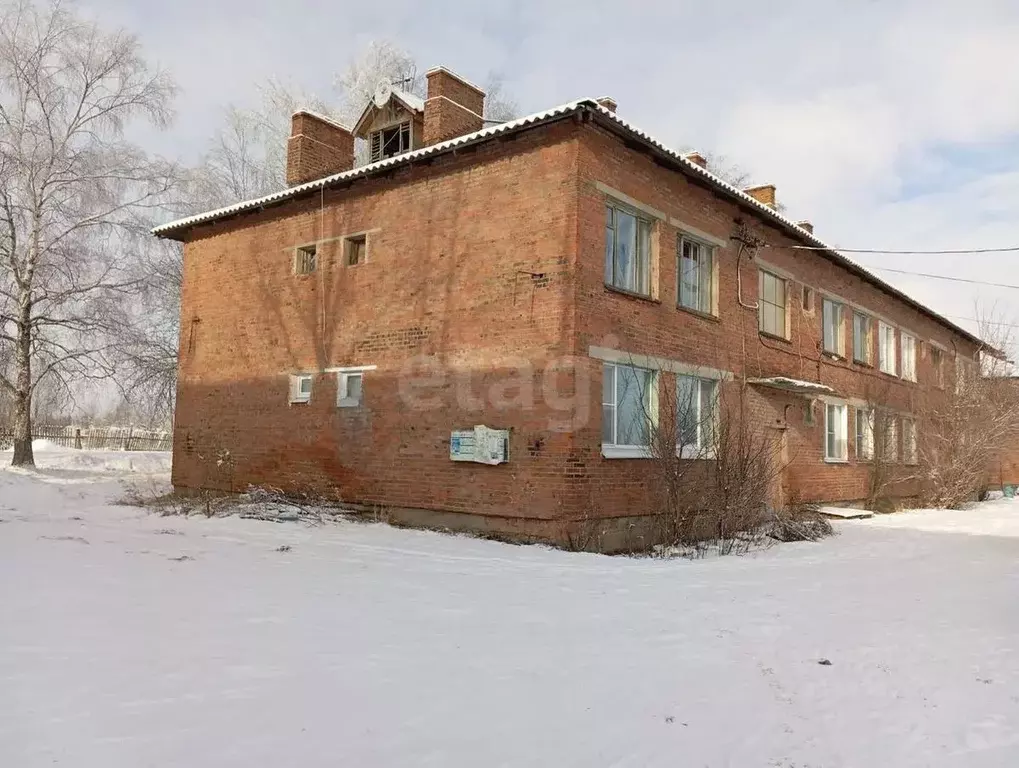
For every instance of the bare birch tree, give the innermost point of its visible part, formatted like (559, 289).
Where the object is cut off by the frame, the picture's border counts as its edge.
(73, 195)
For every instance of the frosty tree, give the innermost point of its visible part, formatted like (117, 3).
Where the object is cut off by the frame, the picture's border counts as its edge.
(74, 195)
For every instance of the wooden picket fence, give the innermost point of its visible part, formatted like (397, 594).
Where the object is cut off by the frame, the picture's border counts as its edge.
(95, 438)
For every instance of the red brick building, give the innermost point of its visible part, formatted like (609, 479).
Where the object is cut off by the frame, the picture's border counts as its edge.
(522, 275)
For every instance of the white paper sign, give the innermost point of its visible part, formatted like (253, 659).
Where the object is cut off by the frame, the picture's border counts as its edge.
(481, 445)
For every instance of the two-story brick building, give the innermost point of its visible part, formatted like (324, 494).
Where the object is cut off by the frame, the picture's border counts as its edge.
(524, 276)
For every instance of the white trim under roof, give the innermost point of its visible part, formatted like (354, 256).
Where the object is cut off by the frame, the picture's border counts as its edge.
(610, 119)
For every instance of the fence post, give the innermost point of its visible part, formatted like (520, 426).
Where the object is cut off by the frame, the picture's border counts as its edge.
(77, 439)
(127, 440)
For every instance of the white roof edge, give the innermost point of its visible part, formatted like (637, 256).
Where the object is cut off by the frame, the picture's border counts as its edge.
(461, 78)
(283, 194)
(495, 130)
(323, 118)
(412, 100)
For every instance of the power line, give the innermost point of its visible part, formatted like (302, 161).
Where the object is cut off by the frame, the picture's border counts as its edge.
(945, 277)
(1010, 249)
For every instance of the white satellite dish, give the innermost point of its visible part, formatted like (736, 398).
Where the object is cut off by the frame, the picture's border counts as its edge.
(383, 90)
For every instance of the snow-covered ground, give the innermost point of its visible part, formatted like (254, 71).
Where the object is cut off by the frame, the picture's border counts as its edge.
(128, 639)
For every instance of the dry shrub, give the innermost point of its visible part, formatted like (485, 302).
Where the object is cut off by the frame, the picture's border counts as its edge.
(715, 498)
(800, 523)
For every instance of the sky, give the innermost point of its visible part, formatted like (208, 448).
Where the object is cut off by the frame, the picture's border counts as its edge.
(889, 125)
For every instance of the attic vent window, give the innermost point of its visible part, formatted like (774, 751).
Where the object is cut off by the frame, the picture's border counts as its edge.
(304, 260)
(390, 141)
(357, 250)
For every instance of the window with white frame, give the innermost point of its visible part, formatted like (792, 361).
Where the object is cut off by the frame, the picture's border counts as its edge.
(771, 300)
(300, 388)
(863, 347)
(696, 275)
(836, 432)
(627, 250)
(627, 409)
(864, 434)
(908, 365)
(909, 454)
(831, 319)
(349, 388)
(886, 348)
(696, 416)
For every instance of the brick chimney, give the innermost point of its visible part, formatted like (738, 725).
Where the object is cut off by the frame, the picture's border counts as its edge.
(697, 159)
(454, 107)
(805, 225)
(763, 193)
(609, 103)
(317, 147)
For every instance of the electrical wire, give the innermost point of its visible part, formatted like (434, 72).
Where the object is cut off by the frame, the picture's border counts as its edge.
(945, 277)
(1010, 249)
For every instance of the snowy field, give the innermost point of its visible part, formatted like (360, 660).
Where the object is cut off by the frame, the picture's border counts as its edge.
(133, 640)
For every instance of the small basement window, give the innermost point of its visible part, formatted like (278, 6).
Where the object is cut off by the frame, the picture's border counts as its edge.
(357, 250)
(300, 388)
(305, 260)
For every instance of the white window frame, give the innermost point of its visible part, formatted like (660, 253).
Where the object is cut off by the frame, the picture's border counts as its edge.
(642, 225)
(909, 446)
(704, 261)
(698, 450)
(625, 451)
(836, 421)
(886, 354)
(864, 428)
(297, 393)
(838, 333)
(763, 276)
(908, 362)
(867, 341)
(343, 375)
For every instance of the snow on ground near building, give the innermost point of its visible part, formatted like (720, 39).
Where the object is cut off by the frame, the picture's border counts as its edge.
(129, 639)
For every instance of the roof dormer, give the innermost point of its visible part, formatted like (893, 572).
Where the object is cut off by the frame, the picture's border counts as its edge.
(392, 123)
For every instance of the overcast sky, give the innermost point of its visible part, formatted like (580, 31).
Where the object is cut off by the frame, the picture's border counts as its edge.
(888, 124)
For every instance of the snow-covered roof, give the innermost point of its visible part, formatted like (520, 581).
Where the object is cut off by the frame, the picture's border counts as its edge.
(795, 386)
(165, 230)
(611, 120)
(323, 118)
(461, 78)
(411, 100)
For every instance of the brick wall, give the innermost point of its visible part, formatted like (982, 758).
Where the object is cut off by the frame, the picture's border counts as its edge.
(481, 295)
(317, 148)
(453, 108)
(463, 301)
(731, 340)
